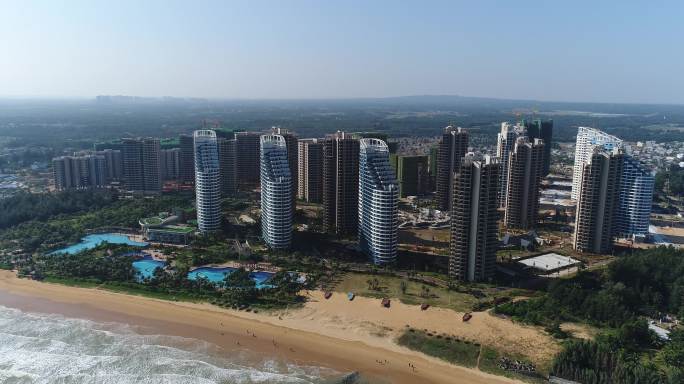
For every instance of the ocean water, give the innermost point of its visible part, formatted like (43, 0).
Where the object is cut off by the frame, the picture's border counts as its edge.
(38, 348)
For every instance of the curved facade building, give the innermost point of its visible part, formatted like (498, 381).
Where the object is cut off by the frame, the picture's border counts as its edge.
(207, 181)
(587, 139)
(378, 202)
(276, 192)
(636, 198)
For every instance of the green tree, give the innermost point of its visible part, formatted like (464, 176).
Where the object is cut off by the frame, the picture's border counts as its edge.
(673, 352)
(240, 278)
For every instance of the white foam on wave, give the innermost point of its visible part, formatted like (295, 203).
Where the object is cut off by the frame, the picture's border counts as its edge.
(36, 348)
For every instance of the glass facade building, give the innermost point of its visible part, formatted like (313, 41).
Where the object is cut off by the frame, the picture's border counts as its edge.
(378, 202)
(276, 192)
(207, 181)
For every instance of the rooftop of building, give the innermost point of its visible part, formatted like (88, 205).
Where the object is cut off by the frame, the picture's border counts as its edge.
(175, 229)
(550, 262)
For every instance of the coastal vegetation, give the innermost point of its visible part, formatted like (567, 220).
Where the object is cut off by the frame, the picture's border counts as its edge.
(497, 363)
(618, 299)
(460, 352)
(469, 354)
(110, 267)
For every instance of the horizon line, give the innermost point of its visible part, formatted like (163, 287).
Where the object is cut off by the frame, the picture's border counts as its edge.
(313, 99)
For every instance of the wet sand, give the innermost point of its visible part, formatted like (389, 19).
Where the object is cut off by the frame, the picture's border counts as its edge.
(295, 338)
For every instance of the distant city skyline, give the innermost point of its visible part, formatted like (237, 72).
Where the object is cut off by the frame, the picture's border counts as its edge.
(621, 52)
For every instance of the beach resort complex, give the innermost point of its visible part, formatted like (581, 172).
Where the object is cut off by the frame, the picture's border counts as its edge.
(443, 192)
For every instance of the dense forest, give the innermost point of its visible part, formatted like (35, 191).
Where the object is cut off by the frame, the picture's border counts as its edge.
(645, 283)
(628, 356)
(648, 283)
(27, 206)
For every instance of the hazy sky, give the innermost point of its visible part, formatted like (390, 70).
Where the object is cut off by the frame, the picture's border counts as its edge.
(601, 50)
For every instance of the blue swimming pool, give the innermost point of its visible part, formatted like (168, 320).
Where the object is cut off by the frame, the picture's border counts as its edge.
(145, 267)
(216, 275)
(92, 241)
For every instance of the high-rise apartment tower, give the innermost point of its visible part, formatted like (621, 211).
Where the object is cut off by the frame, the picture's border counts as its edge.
(340, 184)
(227, 149)
(113, 163)
(79, 171)
(310, 169)
(505, 142)
(292, 158)
(542, 129)
(186, 159)
(598, 200)
(378, 202)
(247, 145)
(413, 174)
(525, 169)
(276, 193)
(170, 164)
(207, 181)
(142, 165)
(636, 198)
(452, 147)
(474, 215)
(587, 139)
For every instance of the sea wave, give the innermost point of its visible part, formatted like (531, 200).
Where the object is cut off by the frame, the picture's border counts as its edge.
(39, 348)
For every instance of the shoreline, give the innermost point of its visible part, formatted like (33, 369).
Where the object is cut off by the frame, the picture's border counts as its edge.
(288, 335)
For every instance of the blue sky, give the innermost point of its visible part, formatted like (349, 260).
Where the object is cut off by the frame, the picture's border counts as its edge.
(611, 51)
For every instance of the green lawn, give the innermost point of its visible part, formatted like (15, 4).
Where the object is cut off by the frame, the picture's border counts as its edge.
(390, 286)
(151, 220)
(454, 351)
(177, 229)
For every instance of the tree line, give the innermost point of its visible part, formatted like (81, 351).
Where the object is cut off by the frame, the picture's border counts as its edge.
(26, 206)
(619, 299)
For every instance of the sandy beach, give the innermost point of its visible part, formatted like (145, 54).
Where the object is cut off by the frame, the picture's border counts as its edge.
(346, 336)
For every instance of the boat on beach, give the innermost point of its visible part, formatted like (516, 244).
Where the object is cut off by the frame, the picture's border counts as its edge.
(424, 307)
(467, 316)
(328, 295)
(386, 302)
(350, 296)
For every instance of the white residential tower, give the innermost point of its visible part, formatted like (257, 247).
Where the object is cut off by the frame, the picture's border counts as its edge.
(207, 181)
(378, 202)
(276, 192)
